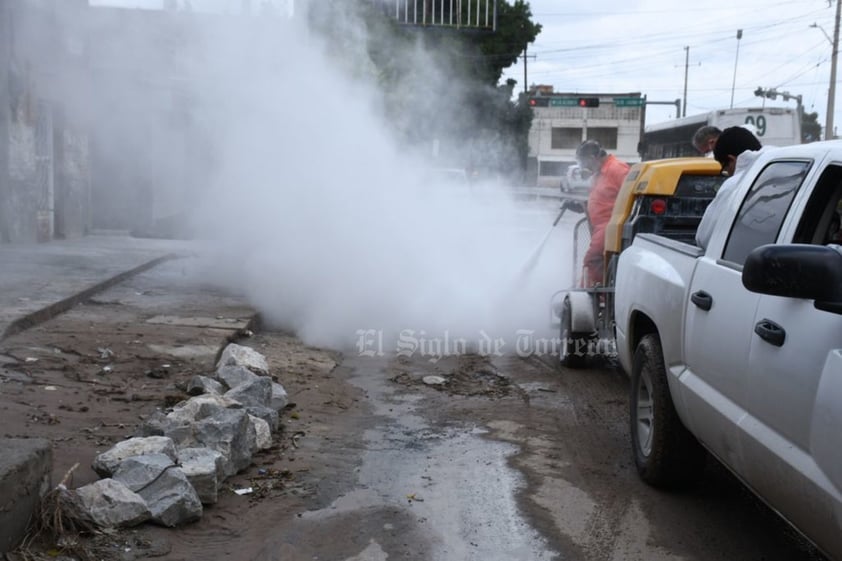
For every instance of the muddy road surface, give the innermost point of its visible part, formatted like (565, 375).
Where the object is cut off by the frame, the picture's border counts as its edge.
(509, 459)
(379, 458)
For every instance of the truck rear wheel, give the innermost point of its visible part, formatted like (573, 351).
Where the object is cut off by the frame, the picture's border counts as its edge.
(574, 346)
(665, 452)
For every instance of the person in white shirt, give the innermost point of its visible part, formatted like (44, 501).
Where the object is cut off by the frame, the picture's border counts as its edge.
(735, 150)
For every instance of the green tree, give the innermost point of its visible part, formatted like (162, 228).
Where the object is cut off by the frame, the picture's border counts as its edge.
(515, 29)
(811, 130)
(441, 84)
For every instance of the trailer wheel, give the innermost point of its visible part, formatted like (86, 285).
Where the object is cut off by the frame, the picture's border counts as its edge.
(667, 455)
(574, 347)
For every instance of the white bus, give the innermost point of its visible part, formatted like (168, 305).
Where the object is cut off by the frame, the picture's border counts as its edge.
(774, 126)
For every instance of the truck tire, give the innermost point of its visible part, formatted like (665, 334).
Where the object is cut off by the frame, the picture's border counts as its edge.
(573, 351)
(667, 455)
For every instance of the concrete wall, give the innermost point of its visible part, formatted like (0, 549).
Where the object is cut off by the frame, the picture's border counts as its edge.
(72, 183)
(29, 195)
(5, 50)
(98, 127)
(24, 193)
(44, 168)
(25, 467)
(72, 118)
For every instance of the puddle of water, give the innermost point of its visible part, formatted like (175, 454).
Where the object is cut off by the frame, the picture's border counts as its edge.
(371, 553)
(457, 484)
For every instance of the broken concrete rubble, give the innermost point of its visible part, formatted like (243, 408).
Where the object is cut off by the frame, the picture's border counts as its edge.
(110, 504)
(233, 376)
(267, 414)
(204, 469)
(138, 472)
(171, 499)
(262, 433)
(199, 385)
(200, 406)
(279, 397)
(213, 435)
(238, 355)
(106, 463)
(256, 392)
(158, 424)
(230, 433)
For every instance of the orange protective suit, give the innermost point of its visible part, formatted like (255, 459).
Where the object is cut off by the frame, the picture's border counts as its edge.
(606, 185)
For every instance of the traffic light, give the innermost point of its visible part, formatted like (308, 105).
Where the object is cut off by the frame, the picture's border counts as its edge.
(539, 102)
(588, 102)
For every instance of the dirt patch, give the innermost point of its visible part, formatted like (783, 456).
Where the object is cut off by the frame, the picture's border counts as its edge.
(87, 413)
(465, 375)
(88, 378)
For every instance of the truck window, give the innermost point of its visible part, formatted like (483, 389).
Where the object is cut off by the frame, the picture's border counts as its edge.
(763, 211)
(820, 220)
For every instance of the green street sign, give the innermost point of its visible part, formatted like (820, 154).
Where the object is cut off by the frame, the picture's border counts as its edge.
(564, 102)
(629, 101)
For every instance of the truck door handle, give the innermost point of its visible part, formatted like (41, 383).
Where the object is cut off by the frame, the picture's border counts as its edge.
(770, 332)
(702, 299)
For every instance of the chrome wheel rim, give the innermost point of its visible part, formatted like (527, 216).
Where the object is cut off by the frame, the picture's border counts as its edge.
(645, 412)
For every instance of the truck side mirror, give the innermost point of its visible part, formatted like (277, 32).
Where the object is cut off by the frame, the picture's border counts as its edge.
(812, 272)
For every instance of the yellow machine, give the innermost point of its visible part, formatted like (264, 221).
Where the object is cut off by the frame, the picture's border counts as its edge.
(666, 197)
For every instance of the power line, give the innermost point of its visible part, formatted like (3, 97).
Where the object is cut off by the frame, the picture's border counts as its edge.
(677, 11)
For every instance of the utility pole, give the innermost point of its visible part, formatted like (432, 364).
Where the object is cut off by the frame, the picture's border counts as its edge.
(734, 82)
(525, 81)
(686, 69)
(831, 93)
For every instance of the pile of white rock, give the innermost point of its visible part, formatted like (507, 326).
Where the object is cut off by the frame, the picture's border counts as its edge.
(180, 459)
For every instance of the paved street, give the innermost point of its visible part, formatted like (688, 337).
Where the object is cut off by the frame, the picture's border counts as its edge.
(51, 277)
(512, 458)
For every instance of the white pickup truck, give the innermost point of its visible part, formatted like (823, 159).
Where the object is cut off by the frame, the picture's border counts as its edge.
(737, 349)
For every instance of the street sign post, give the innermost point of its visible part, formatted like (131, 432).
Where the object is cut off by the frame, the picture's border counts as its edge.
(629, 101)
(564, 102)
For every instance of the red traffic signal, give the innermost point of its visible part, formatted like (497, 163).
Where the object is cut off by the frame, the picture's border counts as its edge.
(588, 102)
(539, 102)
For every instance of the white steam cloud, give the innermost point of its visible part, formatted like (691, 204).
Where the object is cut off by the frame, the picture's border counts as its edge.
(324, 219)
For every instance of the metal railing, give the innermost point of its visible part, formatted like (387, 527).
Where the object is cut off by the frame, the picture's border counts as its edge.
(469, 14)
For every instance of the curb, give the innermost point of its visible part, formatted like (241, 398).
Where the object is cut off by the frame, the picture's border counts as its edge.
(40, 316)
(24, 479)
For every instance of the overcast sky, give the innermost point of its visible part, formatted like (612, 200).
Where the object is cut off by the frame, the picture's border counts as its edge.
(639, 46)
(223, 6)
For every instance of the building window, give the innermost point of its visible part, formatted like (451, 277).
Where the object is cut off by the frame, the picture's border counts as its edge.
(606, 136)
(567, 138)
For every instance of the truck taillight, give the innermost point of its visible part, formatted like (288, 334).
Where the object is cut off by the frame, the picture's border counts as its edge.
(658, 206)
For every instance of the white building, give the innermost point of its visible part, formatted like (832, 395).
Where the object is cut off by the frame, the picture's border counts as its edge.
(562, 121)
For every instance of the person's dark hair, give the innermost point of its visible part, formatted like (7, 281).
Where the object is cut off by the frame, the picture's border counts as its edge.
(732, 142)
(590, 149)
(703, 134)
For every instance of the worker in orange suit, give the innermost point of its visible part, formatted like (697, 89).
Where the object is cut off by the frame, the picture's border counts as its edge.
(609, 173)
